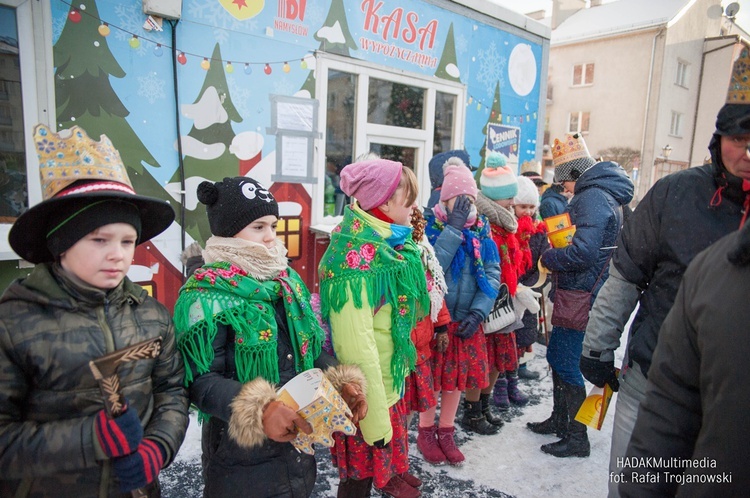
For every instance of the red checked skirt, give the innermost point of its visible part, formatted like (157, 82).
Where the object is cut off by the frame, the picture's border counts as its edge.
(502, 352)
(464, 363)
(356, 459)
(419, 392)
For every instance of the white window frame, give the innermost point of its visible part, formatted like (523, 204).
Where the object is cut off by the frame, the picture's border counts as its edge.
(683, 73)
(675, 124)
(34, 19)
(366, 132)
(579, 115)
(583, 74)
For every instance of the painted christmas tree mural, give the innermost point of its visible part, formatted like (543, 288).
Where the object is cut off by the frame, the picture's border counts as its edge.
(334, 37)
(206, 146)
(448, 65)
(84, 95)
(496, 117)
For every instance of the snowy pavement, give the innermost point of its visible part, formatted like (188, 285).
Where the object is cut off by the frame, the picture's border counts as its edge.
(506, 464)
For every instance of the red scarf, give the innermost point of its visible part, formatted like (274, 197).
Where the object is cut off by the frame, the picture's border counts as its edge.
(527, 227)
(508, 246)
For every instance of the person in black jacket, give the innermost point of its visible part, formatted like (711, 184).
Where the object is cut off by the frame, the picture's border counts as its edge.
(244, 324)
(682, 214)
(696, 394)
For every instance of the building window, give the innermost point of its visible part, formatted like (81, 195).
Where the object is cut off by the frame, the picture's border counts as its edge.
(583, 74)
(578, 122)
(289, 231)
(675, 127)
(682, 74)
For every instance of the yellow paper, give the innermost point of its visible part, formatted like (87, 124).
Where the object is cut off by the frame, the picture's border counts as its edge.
(557, 222)
(563, 237)
(594, 407)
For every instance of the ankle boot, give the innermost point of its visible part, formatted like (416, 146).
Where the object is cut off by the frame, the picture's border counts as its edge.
(558, 423)
(427, 444)
(447, 443)
(526, 374)
(398, 488)
(515, 396)
(576, 441)
(500, 394)
(487, 411)
(411, 479)
(475, 421)
(354, 488)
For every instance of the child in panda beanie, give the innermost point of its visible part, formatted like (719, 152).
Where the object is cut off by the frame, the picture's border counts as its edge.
(244, 326)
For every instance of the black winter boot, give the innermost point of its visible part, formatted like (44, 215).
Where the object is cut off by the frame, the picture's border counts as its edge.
(475, 421)
(557, 424)
(576, 441)
(487, 411)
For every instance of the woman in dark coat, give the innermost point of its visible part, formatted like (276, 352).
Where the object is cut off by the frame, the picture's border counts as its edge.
(600, 190)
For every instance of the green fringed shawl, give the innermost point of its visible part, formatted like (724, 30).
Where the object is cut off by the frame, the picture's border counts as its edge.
(358, 256)
(222, 293)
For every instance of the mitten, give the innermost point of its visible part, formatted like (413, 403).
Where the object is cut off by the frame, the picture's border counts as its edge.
(141, 467)
(356, 400)
(120, 435)
(526, 299)
(599, 372)
(460, 212)
(469, 325)
(281, 423)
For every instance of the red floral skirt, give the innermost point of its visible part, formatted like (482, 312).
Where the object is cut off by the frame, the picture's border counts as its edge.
(502, 352)
(419, 392)
(463, 365)
(356, 459)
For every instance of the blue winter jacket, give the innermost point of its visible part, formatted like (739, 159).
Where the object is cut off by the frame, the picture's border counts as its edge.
(552, 202)
(464, 295)
(596, 211)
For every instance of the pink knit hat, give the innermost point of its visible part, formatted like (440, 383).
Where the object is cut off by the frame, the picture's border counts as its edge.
(371, 182)
(458, 180)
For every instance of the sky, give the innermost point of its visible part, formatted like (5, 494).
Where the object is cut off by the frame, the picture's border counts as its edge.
(524, 6)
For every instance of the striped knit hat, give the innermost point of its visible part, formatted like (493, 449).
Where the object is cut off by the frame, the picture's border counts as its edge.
(571, 158)
(498, 181)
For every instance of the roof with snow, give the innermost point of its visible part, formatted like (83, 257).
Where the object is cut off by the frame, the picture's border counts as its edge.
(616, 18)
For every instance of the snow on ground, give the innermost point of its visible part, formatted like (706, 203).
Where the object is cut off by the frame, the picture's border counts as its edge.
(509, 463)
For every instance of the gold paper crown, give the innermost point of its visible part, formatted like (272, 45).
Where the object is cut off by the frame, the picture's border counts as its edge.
(739, 85)
(70, 155)
(571, 148)
(533, 166)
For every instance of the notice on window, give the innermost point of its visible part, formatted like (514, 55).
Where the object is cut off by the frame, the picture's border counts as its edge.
(294, 156)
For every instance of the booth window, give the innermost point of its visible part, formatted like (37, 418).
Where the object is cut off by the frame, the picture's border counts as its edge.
(289, 230)
(13, 192)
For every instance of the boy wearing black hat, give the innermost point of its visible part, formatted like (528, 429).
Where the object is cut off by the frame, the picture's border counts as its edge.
(245, 324)
(76, 306)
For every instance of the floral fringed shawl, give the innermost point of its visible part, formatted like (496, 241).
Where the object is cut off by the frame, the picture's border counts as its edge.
(359, 257)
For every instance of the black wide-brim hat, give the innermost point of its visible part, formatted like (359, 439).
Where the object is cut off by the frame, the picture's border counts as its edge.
(28, 235)
(76, 171)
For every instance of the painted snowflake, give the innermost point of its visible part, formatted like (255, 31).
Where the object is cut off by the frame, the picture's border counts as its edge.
(214, 14)
(151, 87)
(241, 94)
(491, 68)
(462, 44)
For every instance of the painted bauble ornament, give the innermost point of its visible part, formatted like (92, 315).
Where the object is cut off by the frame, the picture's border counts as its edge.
(104, 30)
(229, 68)
(158, 51)
(286, 67)
(134, 42)
(181, 58)
(248, 69)
(267, 69)
(205, 64)
(74, 16)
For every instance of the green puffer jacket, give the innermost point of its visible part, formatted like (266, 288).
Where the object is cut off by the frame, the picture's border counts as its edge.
(50, 328)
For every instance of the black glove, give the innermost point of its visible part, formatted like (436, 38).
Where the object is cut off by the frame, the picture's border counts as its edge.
(460, 212)
(469, 325)
(599, 372)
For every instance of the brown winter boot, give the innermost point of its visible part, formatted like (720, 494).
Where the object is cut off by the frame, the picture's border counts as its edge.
(448, 445)
(428, 445)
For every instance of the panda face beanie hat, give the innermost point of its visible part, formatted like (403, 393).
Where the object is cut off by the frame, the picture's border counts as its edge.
(498, 181)
(234, 203)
